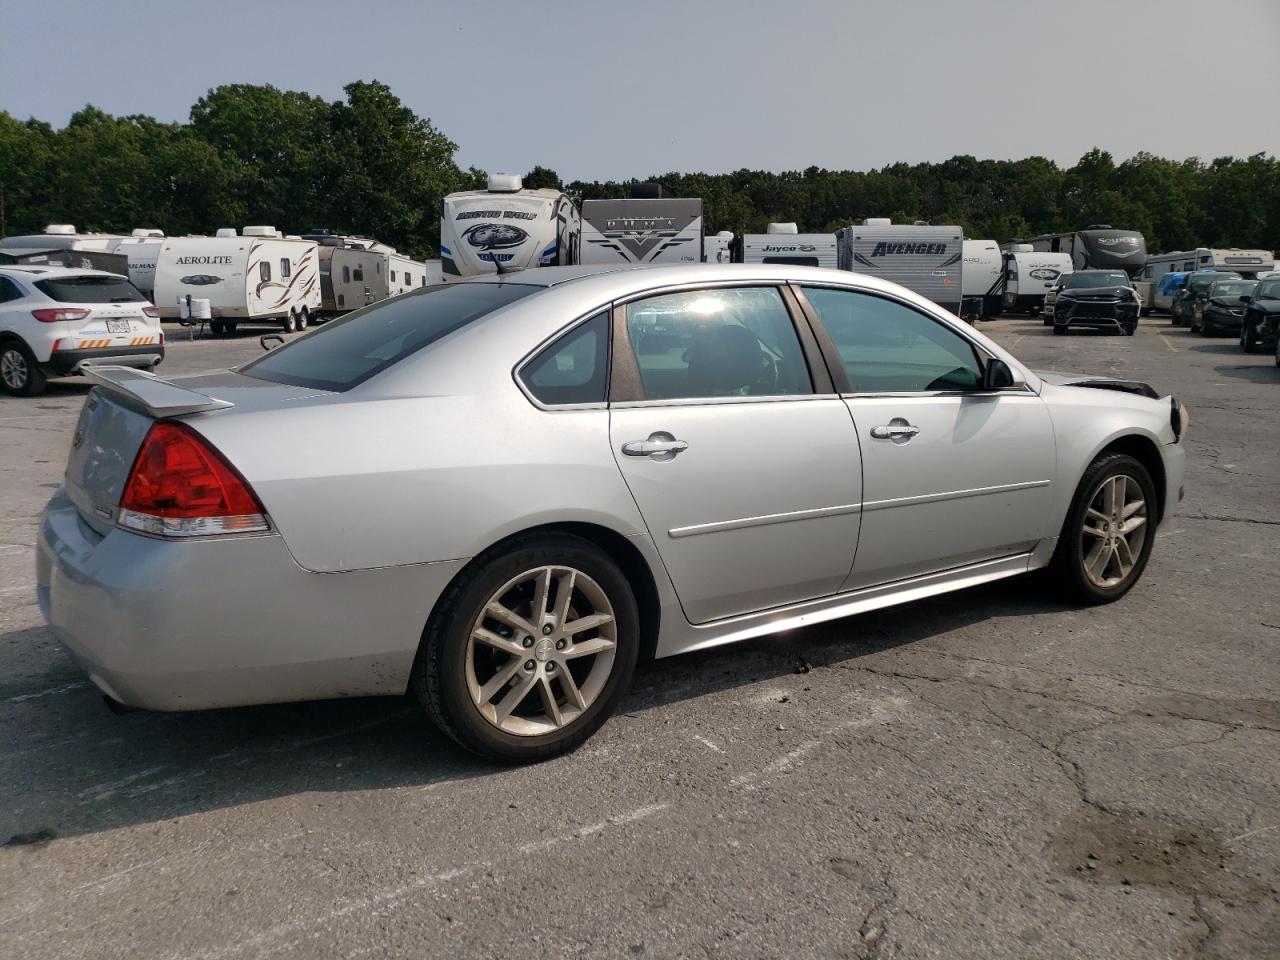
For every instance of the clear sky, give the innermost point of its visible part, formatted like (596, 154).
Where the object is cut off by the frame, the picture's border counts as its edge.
(610, 90)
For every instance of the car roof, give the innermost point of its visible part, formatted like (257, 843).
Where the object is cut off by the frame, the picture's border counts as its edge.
(643, 276)
(40, 271)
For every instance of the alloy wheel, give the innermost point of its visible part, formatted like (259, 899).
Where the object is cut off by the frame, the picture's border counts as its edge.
(1115, 530)
(13, 369)
(541, 651)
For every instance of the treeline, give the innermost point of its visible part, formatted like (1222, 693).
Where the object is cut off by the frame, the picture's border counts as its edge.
(370, 165)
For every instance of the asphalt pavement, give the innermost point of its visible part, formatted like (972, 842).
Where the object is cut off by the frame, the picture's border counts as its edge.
(987, 774)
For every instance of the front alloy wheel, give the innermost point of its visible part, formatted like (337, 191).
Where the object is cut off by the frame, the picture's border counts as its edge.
(530, 649)
(1108, 533)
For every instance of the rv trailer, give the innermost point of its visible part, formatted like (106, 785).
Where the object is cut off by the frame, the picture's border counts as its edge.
(926, 259)
(646, 228)
(61, 244)
(783, 243)
(1029, 275)
(256, 277)
(357, 271)
(1097, 247)
(1247, 263)
(507, 226)
(983, 279)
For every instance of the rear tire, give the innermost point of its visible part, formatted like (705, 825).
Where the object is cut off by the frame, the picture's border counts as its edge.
(20, 374)
(302, 319)
(289, 324)
(1091, 565)
(471, 688)
(217, 328)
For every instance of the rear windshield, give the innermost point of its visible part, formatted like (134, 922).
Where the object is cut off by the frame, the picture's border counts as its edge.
(90, 290)
(1205, 280)
(1232, 288)
(1087, 278)
(346, 352)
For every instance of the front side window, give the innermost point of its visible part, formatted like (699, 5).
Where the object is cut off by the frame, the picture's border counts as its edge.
(359, 273)
(1268, 290)
(717, 343)
(284, 267)
(350, 350)
(888, 347)
(393, 276)
(573, 369)
(346, 274)
(264, 271)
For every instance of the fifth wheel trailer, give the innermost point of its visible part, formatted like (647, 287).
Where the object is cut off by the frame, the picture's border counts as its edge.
(509, 226)
(926, 259)
(1097, 247)
(641, 229)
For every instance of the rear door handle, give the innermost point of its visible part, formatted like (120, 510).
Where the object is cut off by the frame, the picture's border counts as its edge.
(898, 430)
(660, 446)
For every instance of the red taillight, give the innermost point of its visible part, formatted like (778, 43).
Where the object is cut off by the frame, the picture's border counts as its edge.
(153, 312)
(58, 314)
(180, 486)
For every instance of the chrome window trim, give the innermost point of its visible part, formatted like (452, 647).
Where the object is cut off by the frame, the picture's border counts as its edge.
(720, 401)
(1023, 390)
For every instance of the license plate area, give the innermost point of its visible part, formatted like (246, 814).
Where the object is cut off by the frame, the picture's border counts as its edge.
(118, 326)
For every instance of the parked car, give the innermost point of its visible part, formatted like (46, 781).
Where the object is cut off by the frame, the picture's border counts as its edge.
(498, 494)
(1099, 299)
(1221, 307)
(1261, 322)
(55, 321)
(1183, 306)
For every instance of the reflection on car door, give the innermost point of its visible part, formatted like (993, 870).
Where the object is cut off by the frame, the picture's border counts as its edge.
(748, 480)
(951, 474)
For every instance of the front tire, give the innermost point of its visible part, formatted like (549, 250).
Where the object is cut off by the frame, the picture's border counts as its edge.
(1107, 536)
(289, 324)
(1249, 339)
(20, 374)
(530, 649)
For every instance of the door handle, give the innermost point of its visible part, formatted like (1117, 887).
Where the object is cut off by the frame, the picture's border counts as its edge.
(660, 446)
(898, 430)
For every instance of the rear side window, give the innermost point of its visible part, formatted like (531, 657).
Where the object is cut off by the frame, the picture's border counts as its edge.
(573, 369)
(90, 290)
(348, 351)
(9, 290)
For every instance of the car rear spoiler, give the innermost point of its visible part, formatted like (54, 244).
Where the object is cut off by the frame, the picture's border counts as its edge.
(155, 396)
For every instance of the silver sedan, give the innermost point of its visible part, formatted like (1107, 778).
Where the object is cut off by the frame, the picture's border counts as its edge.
(500, 494)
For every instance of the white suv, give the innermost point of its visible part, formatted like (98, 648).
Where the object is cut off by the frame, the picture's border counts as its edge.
(54, 321)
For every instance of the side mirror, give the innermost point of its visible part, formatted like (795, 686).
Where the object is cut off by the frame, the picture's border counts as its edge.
(998, 376)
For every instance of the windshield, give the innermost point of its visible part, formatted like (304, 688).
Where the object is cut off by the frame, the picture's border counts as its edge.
(346, 352)
(1268, 290)
(1232, 288)
(91, 289)
(1100, 278)
(1202, 282)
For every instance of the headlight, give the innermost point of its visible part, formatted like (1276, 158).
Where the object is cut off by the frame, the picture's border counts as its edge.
(1179, 419)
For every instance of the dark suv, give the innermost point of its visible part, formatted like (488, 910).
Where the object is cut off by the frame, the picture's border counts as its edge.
(1261, 317)
(1101, 299)
(1195, 287)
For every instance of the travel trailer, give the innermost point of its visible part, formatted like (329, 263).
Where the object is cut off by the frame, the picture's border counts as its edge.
(112, 252)
(1247, 263)
(717, 249)
(116, 263)
(1028, 275)
(509, 226)
(783, 243)
(356, 271)
(256, 277)
(140, 250)
(926, 259)
(646, 228)
(1097, 247)
(983, 279)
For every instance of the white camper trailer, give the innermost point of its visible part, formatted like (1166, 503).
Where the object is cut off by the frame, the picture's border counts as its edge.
(646, 228)
(357, 271)
(923, 258)
(61, 244)
(507, 226)
(717, 249)
(140, 251)
(1028, 274)
(1247, 263)
(783, 243)
(983, 278)
(257, 277)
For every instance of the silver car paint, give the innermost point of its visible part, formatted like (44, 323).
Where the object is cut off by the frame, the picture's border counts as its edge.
(380, 495)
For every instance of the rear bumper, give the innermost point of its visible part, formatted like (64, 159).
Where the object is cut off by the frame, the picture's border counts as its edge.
(64, 362)
(225, 622)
